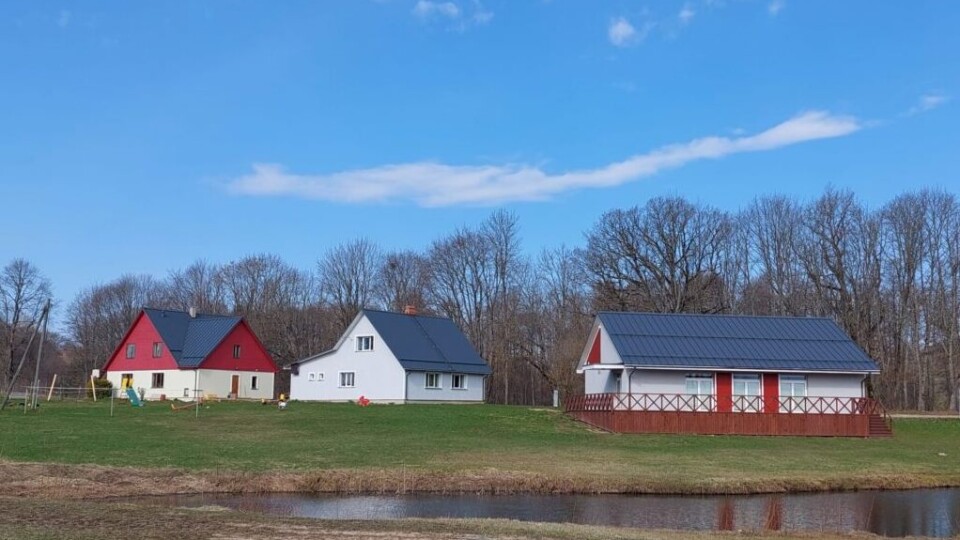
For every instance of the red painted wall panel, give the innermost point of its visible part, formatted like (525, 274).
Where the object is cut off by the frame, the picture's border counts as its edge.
(724, 392)
(253, 357)
(143, 334)
(594, 356)
(771, 393)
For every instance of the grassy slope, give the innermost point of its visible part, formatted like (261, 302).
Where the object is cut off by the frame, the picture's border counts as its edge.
(251, 437)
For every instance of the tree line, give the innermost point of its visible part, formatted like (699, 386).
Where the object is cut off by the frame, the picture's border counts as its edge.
(889, 276)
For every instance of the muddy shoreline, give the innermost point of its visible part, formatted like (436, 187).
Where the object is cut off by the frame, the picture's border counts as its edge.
(101, 482)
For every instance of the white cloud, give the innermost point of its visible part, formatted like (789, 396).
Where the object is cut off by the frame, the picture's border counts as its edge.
(621, 33)
(776, 6)
(426, 9)
(686, 14)
(63, 19)
(436, 184)
(927, 102)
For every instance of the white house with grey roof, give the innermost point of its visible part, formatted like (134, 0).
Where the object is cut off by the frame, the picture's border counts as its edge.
(394, 358)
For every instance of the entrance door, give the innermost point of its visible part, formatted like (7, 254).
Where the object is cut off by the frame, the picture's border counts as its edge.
(235, 386)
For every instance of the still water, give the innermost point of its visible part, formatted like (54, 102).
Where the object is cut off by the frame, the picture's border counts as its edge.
(925, 512)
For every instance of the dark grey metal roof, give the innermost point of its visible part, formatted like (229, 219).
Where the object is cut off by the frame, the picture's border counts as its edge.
(190, 339)
(734, 342)
(425, 343)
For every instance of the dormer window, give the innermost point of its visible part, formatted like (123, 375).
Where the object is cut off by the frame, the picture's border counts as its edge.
(364, 343)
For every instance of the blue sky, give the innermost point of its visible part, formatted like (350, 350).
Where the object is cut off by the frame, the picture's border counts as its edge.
(141, 136)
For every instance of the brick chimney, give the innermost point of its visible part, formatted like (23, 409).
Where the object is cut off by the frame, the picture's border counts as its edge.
(409, 310)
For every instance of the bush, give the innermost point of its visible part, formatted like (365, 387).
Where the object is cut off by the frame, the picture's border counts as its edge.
(104, 388)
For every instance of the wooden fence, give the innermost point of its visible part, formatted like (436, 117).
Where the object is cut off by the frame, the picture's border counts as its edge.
(737, 415)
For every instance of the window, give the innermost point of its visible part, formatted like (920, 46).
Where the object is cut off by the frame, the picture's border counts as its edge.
(157, 349)
(156, 380)
(458, 381)
(793, 388)
(253, 382)
(236, 351)
(311, 376)
(746, 393)
(319, 376)
(186, 392)
(131, 350)
(700, 385)
(126, 381)
(364, 343)
(315, 376)
(347, 379)
(433, 380)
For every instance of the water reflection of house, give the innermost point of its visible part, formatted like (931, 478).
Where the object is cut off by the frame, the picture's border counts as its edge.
(726, 374)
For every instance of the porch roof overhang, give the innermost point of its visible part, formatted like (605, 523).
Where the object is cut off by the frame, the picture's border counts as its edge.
(721, 369)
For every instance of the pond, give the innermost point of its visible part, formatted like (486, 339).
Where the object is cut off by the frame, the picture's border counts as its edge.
(924, 512)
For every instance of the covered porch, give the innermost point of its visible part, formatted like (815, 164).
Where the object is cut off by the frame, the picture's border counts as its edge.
(732, 415)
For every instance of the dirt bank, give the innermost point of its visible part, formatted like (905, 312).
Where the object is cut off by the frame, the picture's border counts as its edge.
(94, 481)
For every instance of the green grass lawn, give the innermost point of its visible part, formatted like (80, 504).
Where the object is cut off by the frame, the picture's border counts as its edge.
(457, 438)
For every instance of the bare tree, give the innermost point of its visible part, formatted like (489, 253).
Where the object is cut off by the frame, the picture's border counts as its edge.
(200, 285)
(348, 277)
(100, 315)
(404, 280)
(665, 257)
(23, 291)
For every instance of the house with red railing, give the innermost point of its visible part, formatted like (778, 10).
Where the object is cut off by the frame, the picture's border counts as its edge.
(726, 374)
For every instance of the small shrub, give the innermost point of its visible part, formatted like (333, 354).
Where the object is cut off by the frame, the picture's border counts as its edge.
(103, 388)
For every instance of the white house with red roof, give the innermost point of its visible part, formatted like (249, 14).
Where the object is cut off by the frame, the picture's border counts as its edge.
(168, 354)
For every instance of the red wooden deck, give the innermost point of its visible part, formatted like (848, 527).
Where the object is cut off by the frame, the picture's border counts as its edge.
(703, 415)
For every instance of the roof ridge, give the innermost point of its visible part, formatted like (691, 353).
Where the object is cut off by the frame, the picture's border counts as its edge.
(727, 315)
(426, 316)
(198, 314)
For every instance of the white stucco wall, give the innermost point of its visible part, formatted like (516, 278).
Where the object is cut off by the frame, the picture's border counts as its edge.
(217, 383)
(417, 390)
(378, 375)
(213, 383)
(600, 381)
(826, 385)
(647, 381)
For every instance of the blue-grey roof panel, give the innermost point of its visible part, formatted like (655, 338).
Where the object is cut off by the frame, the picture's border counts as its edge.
(734, 342)
(424, 343)
(190, 339)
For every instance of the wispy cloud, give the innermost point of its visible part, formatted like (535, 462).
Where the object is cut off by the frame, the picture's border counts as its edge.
(622, 33)
(437, 184)
(776, 6)
(425, 9)
(927, 102)
(455, 16)
(63, 19)
(686, 14)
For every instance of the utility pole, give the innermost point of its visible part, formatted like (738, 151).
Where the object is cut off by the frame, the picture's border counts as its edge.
(36, 369)
(23, 359)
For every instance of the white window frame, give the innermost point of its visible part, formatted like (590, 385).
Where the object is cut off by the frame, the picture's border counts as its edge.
(153, 381)
(364, 343)
(157, 349)
(353, 375)
(463, 381)
(788, 402)
(312, 377)
(703, 400)
(319, 375)
(131, 351)
(237, 350)
(254, 383)
(426, 380)
(747, 402)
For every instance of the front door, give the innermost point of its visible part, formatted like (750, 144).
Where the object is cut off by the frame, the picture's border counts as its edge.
(235, 386)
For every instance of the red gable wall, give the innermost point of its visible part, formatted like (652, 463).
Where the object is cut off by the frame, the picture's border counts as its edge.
(144, 335)
(594, 356)
(253, 357)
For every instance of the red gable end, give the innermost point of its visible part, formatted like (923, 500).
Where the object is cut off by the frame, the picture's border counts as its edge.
(142, 334)
(253, 356)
